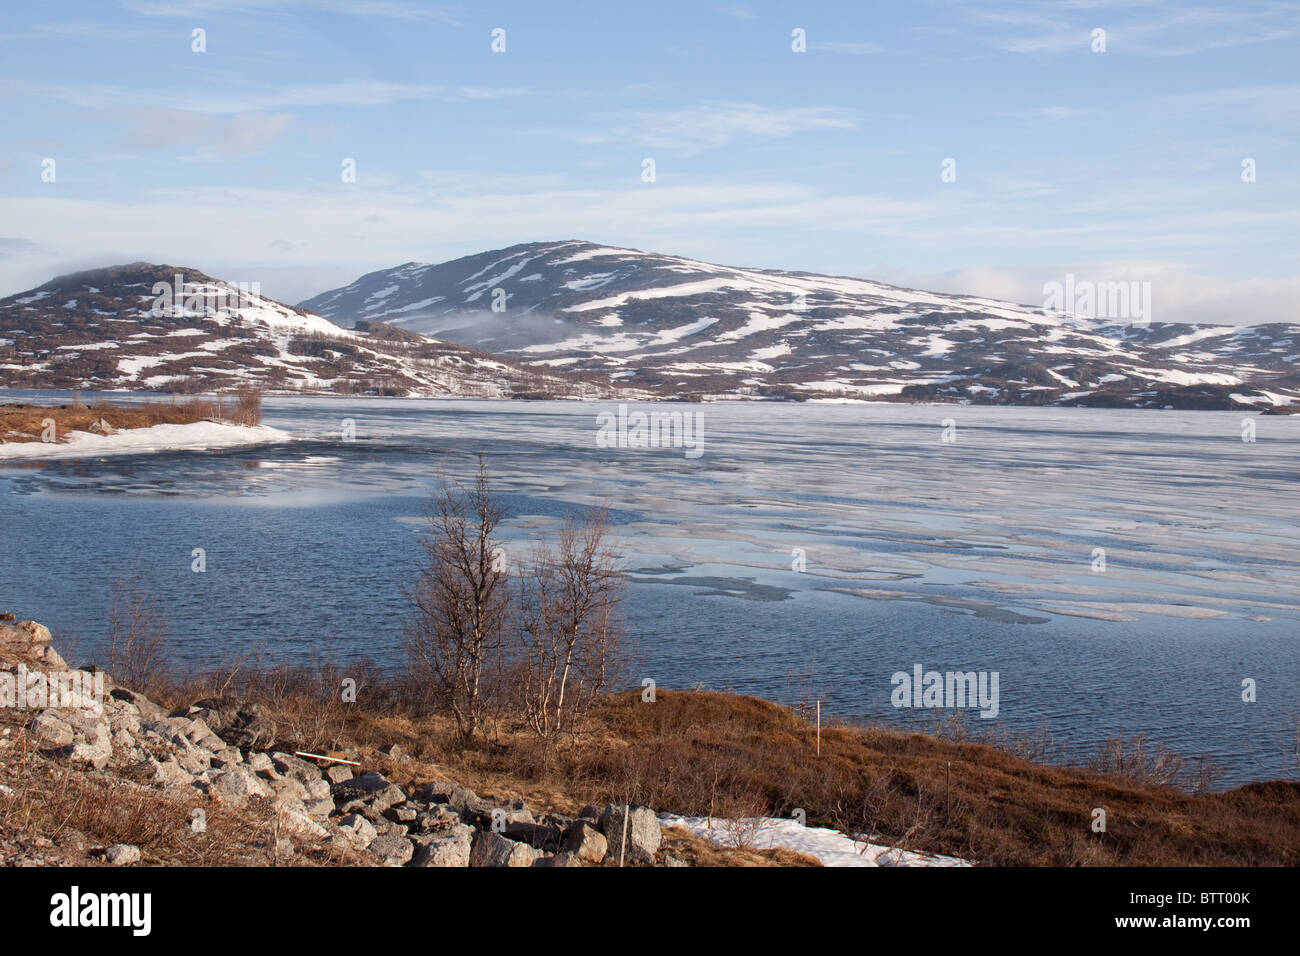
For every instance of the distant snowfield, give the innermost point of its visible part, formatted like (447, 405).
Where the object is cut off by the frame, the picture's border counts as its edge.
(197, 436)
(832, 847)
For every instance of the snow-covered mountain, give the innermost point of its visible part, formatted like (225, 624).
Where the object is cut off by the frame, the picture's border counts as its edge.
(164, 328)
(683, 327)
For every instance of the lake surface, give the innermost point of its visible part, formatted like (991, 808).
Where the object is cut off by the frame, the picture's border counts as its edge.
(957, 538)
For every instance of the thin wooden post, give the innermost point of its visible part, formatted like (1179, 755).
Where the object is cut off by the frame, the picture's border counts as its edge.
(819, 728)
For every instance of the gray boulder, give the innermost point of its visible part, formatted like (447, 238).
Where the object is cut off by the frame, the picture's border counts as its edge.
(642, 833)
(492, 849)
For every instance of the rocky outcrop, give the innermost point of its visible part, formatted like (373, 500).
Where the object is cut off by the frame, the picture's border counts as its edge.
(231, 752)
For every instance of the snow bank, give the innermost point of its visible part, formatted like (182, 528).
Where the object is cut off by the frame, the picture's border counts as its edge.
(832, 847)
(197, 436)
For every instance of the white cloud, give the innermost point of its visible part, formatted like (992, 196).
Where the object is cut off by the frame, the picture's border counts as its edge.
(1179, 293)
(364, 93)
(1153, 27)
(713, 125)
(389, 9)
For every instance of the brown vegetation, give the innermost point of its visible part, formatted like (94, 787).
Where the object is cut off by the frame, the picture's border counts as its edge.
(24, 423)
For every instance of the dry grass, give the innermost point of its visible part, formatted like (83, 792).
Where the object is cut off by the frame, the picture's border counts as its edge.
(710, 754)
(702, 754)
(22, 423)
(71, 813)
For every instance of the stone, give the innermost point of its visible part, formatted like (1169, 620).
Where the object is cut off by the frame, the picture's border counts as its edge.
(585, 841)
(401, 814)
(643, 833)
(120, 854)
(536, 835)
(338, 773)
(371, 787)
(237, 786)
(492, 849)
(49, 730)
(146, 708)
(170, 773)
(260, 763)
(392, 849)
(563, 858)
(360, 831)
(453, 849)
(299, 824)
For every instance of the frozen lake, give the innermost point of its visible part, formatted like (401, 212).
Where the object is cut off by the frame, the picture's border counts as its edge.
(1122, 571)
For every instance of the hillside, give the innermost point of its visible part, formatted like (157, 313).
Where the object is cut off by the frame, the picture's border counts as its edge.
(126, 784)
(168, 328)
(683, 326)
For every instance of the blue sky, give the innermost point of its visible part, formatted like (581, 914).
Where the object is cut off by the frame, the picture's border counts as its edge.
(1123, 164)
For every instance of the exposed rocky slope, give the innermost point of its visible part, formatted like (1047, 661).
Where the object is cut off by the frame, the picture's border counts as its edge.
(219, 755)
(687, 327)
(164, 328)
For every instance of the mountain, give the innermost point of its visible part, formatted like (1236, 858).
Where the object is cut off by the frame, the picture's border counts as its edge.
(165, 328)
(683, 327)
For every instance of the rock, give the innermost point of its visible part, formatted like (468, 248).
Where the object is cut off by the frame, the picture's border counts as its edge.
(492, 849)
(170, 773)
(299, 824)
(242, 724)
(260, 763)
(393, 751)
(439, 818)
(469, 804)
(454, 849)
(120, 854)
(225, 759)
(536, 835)
(237, 786)
(392, 849)
(371, 787)
(670, 859)
(24, 634)
(319, 809)
(401, 814)
(585, 841)
(101, 427)
(146, 708)
(643, 833)
(360, 831)
(51, 731)
(435, 791)
(194, 761)
(291, 765)
(338, 773)
(563, 858)
(589, 812)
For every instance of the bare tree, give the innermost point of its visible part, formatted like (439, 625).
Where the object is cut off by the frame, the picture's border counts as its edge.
(137, 636)
(456, 638)
(568, 625)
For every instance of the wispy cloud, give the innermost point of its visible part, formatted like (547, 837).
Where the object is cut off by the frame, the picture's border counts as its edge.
(713, 125)
(362, 93)
(1153, 27)
(853, 48)
(391, 9)
(207, 136)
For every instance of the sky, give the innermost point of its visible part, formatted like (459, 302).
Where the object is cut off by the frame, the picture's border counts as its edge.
(987, 147)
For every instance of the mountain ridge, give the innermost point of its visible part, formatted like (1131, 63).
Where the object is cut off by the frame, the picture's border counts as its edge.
(683, 327)
(159, 327)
